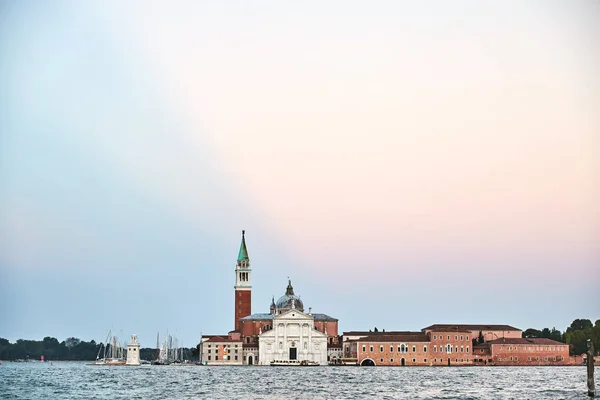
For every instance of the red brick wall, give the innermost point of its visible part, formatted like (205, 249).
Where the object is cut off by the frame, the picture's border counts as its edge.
(530, 354)
(386, 353)
(461, 351)
(243, 306)
(332, 330)
(433, 352)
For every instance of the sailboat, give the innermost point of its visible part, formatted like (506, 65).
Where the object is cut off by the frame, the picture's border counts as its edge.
(116, 353)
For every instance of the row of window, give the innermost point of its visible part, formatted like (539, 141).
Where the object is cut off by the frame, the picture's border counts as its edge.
(228, 358)
(462, 337)
(516, 358)
(404, 349)
(228, 351)
(216, 345)
(414, 360)
(533, 348)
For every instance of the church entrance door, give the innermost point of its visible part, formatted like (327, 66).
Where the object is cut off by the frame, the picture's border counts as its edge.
(293, 355)
(250, 360)
(403, 362)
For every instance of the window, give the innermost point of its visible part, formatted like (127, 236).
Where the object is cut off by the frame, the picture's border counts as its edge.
(424, 349)
(364, 348)
(467, 339)
(510, 358)
(435, 349)
(208, 358)
(462, 349)
(448, 337)
(528, 358)
(381, 349)
(424, 360)
(461, 337)
(247, 339)
(347, 349)
(516, 358)
(554, 358)
(229, 357)
(216, 358)
(467, 349)
(537, 359)
(370, 348)
(391, 360)
(236, 358)
(208, 351)
(414, 360)
(391, 349)
(455, 337)
(414, 349)
(381, 359)
(434, 337)
(435, 360)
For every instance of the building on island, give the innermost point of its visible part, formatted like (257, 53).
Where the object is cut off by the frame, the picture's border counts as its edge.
(286, 332)
(443, 347)
(488, 331)
(289, 332)
(445, 344)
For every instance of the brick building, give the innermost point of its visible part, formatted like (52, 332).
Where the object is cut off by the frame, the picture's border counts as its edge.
(449, 345)
(488, 331)
(436, 347)
(534, 351)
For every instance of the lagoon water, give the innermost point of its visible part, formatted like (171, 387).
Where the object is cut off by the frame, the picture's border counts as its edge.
(73, 380)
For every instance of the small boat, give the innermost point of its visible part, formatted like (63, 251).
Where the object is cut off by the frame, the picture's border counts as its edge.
(294, 363)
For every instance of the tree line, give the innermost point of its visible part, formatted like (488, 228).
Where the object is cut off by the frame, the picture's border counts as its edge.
(575, 336)
(70, 349)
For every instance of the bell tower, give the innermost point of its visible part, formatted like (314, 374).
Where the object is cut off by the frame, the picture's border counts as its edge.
(243, 285)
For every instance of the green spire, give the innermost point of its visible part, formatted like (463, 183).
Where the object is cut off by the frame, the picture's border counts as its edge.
(243, 254)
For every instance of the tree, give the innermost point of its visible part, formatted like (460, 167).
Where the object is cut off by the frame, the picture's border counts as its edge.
(579, 325)
(72, 342)
(480, 339)
(375, 329)
(532, 333)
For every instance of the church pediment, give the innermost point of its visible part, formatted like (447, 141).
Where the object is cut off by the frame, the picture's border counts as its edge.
(293, 315)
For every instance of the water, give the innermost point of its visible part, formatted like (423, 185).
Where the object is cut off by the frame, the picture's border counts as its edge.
(70, 380)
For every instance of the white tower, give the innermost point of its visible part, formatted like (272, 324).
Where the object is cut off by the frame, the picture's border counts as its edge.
(133, 351)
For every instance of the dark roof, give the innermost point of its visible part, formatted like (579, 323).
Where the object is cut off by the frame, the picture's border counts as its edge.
(538, 341)
(267, 317)
(368, 333)
(471, 327)
(398, 337)
(221, 339)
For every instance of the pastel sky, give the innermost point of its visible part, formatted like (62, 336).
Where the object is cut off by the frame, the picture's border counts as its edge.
(404, 163)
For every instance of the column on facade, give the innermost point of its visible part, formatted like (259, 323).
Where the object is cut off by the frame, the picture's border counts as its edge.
(287, 355)
(310, 348)
(300, 341)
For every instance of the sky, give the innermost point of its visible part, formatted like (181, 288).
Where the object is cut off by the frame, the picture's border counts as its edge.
(403, 163)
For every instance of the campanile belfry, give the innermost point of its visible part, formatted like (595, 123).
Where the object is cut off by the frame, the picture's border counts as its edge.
(243, 284)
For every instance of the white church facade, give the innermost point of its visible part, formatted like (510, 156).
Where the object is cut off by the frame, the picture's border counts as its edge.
(293, 338)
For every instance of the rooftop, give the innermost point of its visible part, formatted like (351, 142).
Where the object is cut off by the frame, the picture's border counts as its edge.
(538, 341)
(268, 317)
(220, 339)
(369, 333)
(471, 327)
(397, 337)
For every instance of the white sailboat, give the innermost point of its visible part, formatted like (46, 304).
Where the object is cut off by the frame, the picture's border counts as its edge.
(116, 354)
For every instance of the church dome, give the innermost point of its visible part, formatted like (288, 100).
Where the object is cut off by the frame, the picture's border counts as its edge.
(289, 300)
